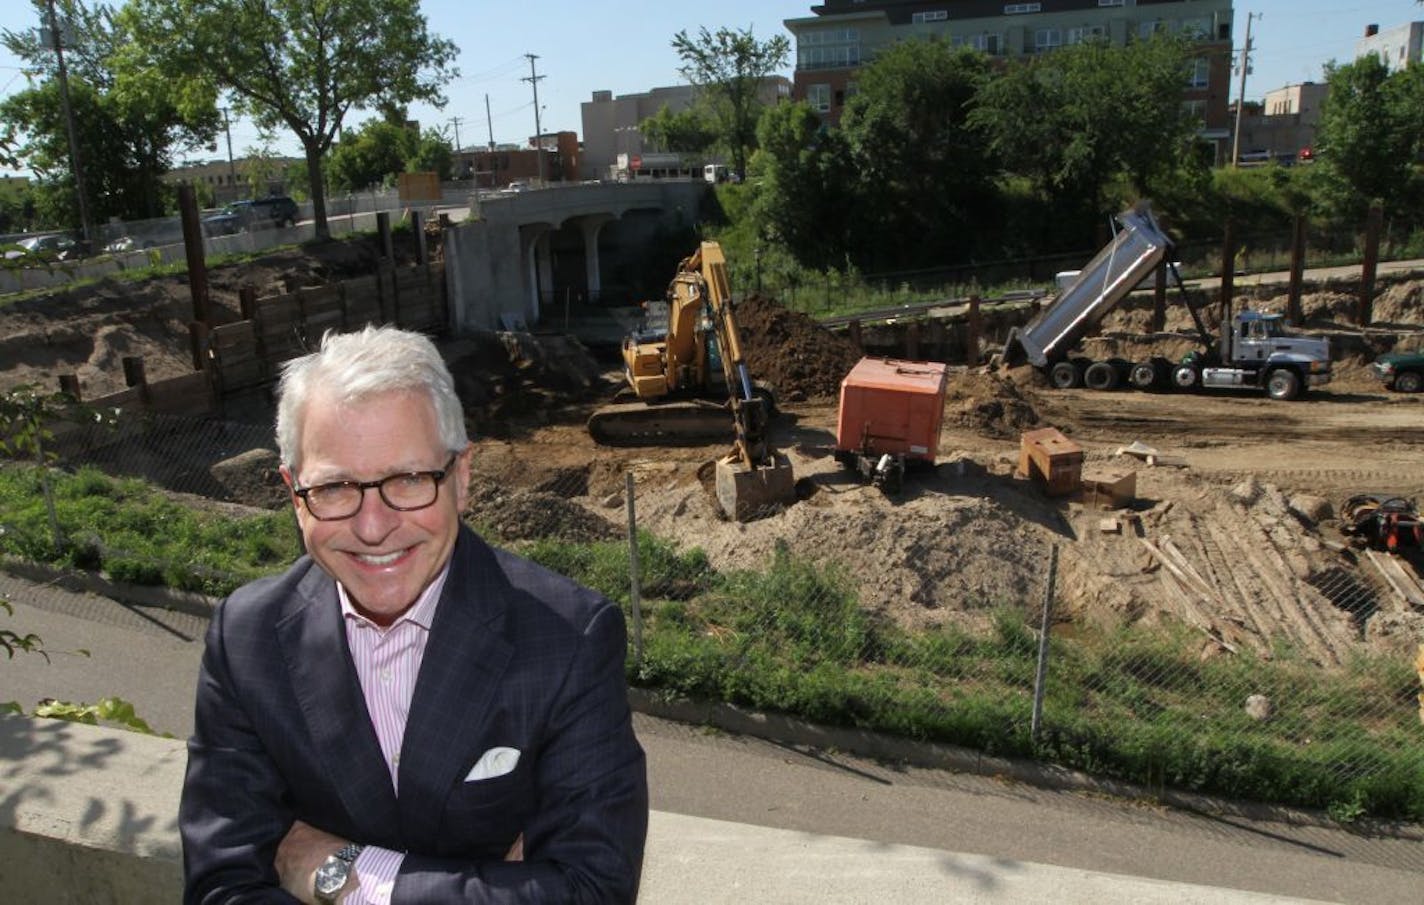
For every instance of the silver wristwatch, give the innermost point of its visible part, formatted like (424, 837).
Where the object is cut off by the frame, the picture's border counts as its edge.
(329, 879)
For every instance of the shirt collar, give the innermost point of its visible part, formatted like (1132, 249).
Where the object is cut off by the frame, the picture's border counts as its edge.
(422, 614)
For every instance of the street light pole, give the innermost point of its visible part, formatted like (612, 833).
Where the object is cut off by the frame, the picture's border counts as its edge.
(1241, 91)
(533, 79)
(75, 167)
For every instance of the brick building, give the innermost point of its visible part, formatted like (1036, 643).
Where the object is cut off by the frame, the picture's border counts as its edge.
(842, 35)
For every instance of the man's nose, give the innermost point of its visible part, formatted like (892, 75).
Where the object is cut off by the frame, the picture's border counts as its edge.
(375, 519)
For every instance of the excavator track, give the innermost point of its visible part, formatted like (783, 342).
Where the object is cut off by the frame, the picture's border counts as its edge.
(688, 422)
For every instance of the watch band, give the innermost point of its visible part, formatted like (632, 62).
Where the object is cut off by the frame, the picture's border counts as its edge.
(331, 877)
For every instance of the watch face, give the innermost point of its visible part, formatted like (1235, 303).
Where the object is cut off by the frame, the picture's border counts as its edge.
(331, 876)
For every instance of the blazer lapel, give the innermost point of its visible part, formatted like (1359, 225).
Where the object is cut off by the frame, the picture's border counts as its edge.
(313, 642)
(465, 658)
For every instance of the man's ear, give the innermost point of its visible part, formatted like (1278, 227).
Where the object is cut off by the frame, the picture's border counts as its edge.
(291, 483)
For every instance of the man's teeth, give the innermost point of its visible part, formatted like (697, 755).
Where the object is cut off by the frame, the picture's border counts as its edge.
(383, 560)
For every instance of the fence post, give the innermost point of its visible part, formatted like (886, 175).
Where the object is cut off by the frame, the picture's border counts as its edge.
(69, 385)
(383, 229)
(974, 333)
(135, 376)
(417, 223)
(1041, 674)
(1297, 270)
(1159, 299)
(1373, 223)
(1228, 266)
(193, 248)
(634, 587)
(198, 344)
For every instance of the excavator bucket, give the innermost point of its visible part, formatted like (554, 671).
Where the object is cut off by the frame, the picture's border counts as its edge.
(749, 492)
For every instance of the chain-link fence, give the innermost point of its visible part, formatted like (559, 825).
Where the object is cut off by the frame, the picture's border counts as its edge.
(964, 609)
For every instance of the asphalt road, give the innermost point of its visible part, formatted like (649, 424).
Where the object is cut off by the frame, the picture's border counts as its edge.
(150, 657)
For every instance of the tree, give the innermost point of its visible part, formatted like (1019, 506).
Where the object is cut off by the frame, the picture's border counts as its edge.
(807, 194)
(1364, 138)
(302, 64)
(1074, 120)
(129, 121)
(692, 130)
(924, 180)
(728, 68)
(379, 151)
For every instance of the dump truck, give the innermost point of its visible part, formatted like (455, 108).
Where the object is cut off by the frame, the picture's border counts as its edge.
(889, 418)
(1254, 349)
(675, 373)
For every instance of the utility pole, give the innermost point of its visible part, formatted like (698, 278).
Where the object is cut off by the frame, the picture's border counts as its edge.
(1241, 92)
(84, 224)
(231, 168)
(489, 121)
(533, 79)
(456, 121)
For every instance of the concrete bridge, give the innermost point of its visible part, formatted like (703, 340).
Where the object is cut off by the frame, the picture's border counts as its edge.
(523, 257)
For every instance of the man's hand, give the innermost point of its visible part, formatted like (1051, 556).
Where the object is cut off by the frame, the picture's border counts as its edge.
(300, 853)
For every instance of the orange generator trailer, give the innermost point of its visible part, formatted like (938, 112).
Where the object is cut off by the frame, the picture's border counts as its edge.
(889, 418)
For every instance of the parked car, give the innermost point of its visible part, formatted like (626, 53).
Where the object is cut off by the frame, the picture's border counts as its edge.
(55, 247)
(1402, 372)
(260, 213)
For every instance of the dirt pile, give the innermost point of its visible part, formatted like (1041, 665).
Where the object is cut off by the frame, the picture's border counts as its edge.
(788, 350)
(515, 514)
(990, 404)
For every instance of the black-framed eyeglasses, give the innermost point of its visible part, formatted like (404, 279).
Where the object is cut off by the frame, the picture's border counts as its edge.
(403, 492)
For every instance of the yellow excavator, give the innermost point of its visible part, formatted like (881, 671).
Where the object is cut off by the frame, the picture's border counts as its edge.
(673, 388)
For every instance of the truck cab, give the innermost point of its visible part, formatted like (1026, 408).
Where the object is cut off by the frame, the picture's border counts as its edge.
(1259, 351)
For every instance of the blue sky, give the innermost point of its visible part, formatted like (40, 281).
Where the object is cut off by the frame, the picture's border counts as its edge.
(582, 49)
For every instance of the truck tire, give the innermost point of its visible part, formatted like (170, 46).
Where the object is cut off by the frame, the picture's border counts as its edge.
(1185, 377)
(1100, 375)
(1143, 375)
(1065, 375)
(1409, 382)
(1282, 383)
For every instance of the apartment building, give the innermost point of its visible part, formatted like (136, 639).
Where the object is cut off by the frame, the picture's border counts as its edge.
(843, 35)
(610, 124)
(1397, 47)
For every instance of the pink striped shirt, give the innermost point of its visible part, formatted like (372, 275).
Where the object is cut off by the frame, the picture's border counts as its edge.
(387, 663)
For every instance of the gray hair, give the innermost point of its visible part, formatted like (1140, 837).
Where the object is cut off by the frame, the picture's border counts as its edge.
(356, 366)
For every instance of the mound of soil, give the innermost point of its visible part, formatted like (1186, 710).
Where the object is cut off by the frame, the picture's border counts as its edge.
(788, 350)
(990, 404)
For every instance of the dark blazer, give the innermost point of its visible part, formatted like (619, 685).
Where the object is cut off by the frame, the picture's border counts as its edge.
(518, 657)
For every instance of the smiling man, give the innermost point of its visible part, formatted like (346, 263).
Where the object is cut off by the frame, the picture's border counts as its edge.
(406, 714)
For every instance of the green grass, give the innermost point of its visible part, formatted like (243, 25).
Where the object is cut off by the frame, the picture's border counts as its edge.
(1138, 705)
(132, 532)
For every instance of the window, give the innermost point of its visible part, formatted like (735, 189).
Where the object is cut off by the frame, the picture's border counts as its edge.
(986, 42)
(1085, 33)
(1012, 8)
(1201, 73)
(819, 97)
(1197, 29)
(1195, 108)
(828, 49)
(1110, 3)
(1045, 39)
(934, 15)
(1150, 27)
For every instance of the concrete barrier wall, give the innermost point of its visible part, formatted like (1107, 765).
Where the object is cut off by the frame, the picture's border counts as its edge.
(88, 814)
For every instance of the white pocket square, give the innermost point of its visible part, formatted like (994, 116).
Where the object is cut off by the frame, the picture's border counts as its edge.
(494, 762)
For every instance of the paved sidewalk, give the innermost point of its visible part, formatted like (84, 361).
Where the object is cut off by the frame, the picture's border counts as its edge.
(697, 861)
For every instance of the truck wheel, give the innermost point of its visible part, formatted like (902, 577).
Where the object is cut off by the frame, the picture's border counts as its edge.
(1100, 375)
(1283, 384)
(1065, 375)
(1409, 382)
(1184, 377)
(1143, 375)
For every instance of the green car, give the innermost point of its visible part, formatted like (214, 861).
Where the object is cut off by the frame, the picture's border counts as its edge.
(1402, 372)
